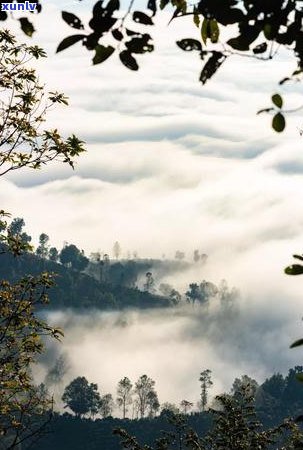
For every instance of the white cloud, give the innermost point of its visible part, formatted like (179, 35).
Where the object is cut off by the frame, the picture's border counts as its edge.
(173, 347)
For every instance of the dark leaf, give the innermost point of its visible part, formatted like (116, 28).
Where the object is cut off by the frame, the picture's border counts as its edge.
(298, 257)
(286, 38)
(152, 5)
(3, 15)
(295, 269)
(238, 44)
(117, 34)
(128, 60)
(101, 24)
(72, 20)
(69, 41)
(189, 44)
(214, 31)
(270, 30)
(297, 344)
(140, 44)
(163, 3)
(131, 33)
(91, 41)
(112, 6)
(177, 13)
(98, 8)
(204, 30)
(196, 19)
(277, 100)
(278, 124)
(102, 53)
(260, 48)
(248, 34)
(102, 19)
(284, 80)
(212, 66)
(140, 17)
(229, 16)
(265, 110)
(26, 26)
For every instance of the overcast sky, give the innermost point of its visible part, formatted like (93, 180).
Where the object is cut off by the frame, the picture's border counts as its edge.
(172, 165)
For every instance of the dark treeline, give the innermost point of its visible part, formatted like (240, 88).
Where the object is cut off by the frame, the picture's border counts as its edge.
(109, 284)
(76, 289)
(68, 432)
(89, 424)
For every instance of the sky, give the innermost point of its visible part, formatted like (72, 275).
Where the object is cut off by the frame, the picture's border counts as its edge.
(171, 165)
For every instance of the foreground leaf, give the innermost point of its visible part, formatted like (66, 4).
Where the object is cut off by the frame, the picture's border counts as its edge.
(72, 20)
(295, 269)
(189, 44)
(278, 122)
(69, 41)
(143, 18)
(214, 31)
(26, 26)
(102, 53)
(128, 60)
(277, 100)
(297, 344)
(212, 66)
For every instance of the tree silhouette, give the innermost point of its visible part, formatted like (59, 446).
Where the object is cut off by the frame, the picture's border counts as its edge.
(53, 254)
(56, 373)
(71, 255)
(206, 383)
(149, 282)
(186, 406)
(42, 249)
(144, 392)
(124, 395)
(106, 405)
(82, 397)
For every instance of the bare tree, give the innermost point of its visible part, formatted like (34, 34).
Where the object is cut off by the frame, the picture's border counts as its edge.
(186, 406)
(206, 383)
(106, 405)
(124, 395)
(143, 389)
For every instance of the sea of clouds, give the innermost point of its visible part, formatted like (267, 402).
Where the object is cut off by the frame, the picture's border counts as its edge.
(172, 165)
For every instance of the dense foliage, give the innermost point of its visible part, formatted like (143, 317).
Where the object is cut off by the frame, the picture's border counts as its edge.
(23, 108)
(82, 397)
(74, 289)
(21, 403)
(24, 408)
(249, 416)
(110, 284)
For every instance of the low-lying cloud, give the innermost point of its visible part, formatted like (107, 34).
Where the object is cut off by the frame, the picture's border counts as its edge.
(173, 346)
